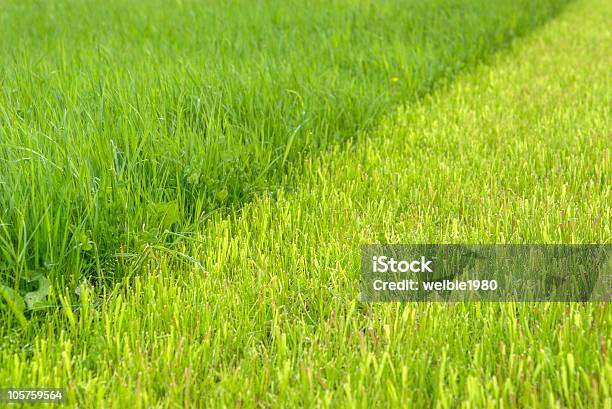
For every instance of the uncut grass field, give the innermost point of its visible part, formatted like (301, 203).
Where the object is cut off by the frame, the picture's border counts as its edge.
(185, 187)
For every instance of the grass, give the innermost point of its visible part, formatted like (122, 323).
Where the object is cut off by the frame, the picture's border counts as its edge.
(126, 124)
(259, 308)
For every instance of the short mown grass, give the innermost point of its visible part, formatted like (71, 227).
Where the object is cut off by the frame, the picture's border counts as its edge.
(259, 307)
(124, 124)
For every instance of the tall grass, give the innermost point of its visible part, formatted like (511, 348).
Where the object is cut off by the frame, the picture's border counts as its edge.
(123, 122)
(261, 307)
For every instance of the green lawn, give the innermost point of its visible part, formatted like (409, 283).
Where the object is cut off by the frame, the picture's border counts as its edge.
(120, 120)
(258, 305)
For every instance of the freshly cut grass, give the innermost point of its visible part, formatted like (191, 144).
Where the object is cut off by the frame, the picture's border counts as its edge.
(260, 308)
(123, 124)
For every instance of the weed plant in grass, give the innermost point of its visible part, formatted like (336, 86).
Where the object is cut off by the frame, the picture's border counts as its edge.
(123, 124)
(517, 151)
